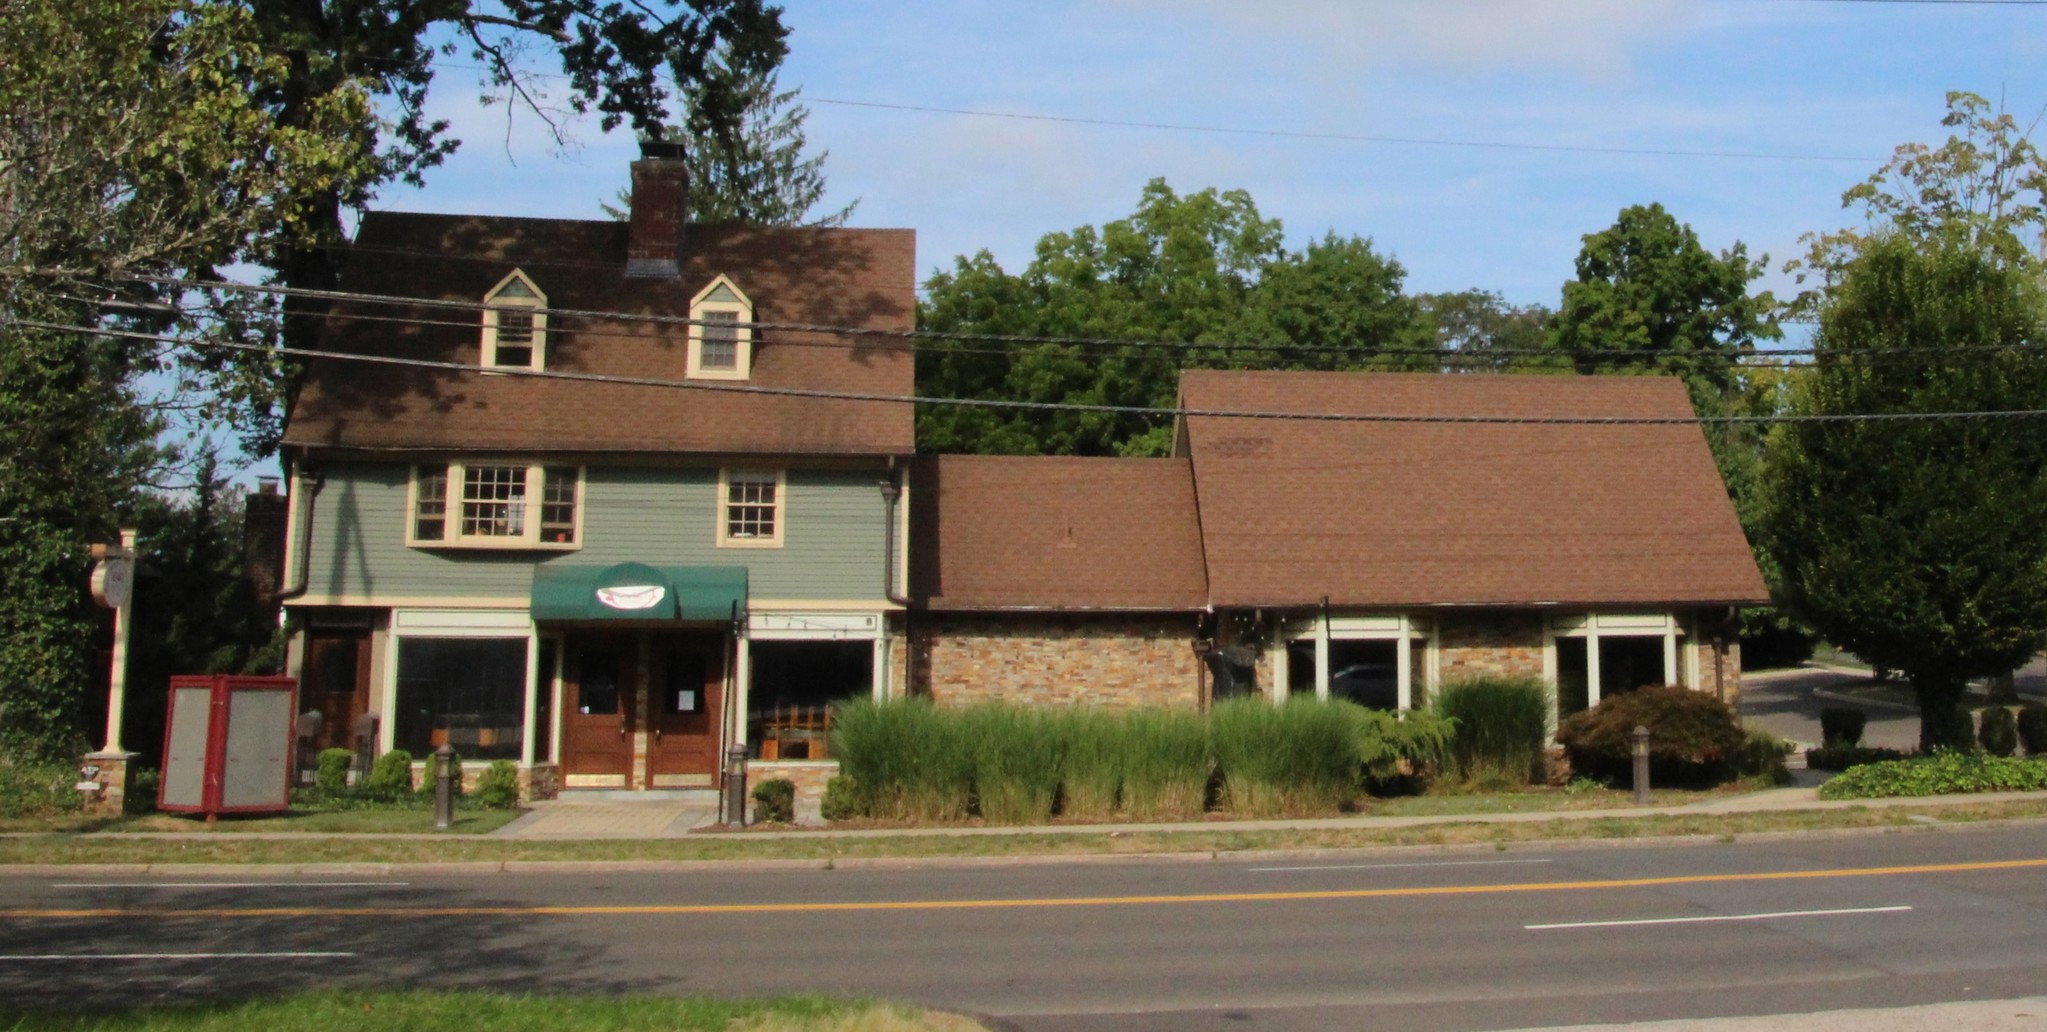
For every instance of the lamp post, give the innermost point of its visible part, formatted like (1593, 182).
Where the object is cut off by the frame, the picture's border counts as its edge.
(113, 586)
(1641, 756)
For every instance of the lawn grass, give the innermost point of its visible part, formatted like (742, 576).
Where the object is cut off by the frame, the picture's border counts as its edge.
(437, 1012)
(365, 821)
(76, 849)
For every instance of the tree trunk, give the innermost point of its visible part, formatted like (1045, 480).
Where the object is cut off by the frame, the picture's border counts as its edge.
(2003, 690)
(1943, 723)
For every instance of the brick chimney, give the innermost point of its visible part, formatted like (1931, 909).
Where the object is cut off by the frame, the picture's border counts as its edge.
(660, 208)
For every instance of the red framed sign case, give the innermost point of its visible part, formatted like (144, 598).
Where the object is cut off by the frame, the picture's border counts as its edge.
(228, 744)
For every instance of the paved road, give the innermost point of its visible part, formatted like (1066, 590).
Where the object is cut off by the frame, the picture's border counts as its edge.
(1435, 940)
(1784, 704)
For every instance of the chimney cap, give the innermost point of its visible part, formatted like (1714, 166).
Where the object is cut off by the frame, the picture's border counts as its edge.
(662, 150)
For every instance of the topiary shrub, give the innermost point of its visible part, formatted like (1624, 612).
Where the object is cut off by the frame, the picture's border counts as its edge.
(2032, 727)
(390, 777)
(1501, 725)
(332, 777)
(1692, 736)
(774, 801)
(497, 788)
(841, 800)
(1842, 726)
(1998, 731)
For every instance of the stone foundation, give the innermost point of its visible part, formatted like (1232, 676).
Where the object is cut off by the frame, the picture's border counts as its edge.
(540, 781)
(1112, 660)
(809, 775)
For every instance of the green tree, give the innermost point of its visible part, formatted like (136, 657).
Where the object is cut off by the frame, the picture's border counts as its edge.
(1916, 543)
(132, 142)
(747, 165)
(1487, 333)
(1200, 268)
(1987, 182)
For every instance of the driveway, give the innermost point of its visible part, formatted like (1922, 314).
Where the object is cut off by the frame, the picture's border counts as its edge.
(1787, 703)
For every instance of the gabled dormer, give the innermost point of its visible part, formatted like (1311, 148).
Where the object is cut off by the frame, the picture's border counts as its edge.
(515, 324)
(720, 333)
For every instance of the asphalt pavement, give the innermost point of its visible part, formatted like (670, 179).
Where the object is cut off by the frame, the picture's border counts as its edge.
(1451, 939)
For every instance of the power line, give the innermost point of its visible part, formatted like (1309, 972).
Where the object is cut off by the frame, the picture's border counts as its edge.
(1409, 141)
(913, 335)
(1039, 406)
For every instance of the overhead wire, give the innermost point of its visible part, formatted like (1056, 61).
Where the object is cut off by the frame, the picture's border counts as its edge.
(1176, 412)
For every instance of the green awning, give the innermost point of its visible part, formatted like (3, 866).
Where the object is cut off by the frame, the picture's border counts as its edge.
(637, 591)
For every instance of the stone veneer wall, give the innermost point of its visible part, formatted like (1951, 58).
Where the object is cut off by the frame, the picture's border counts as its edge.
(1504, 643)
(809, 777)
(540, 781)
(1114, 660)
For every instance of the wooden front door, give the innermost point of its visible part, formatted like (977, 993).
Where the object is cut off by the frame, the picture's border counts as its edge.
(599, 691)
(688, 678)
(335, 683)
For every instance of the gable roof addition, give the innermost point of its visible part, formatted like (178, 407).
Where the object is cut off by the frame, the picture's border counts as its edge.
(1429, 514)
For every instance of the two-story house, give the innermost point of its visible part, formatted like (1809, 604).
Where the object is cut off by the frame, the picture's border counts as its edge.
(573, 502)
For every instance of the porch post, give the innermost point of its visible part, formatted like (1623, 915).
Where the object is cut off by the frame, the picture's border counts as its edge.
(1671, 674)
(1591, 662)
(879, 680)
(1322, 654)
(742, 687)
(533, 690)
(1403, 666)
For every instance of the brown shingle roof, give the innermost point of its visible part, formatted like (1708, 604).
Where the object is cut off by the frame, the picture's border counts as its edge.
(1006, 532)
(1393, 514)
(836, 277)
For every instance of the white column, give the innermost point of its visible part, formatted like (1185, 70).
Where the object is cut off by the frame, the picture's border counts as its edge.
(1282, 669)
(742, 687)
(1403, 667)
(1592, 664)
(554, 706)
(1671, 674)
(1322, 655)
(533, 689)
(880, 680)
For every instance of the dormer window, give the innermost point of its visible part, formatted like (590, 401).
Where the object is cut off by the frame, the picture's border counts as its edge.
(720, 333)
(515, 325)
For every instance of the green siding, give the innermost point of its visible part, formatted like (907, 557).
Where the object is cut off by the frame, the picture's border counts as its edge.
(832, 537)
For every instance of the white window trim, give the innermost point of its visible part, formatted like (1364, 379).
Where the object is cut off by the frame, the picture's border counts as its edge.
(1325, 628)
(722, 515)
(1594, 626)
(699, 306)
(536, 493)
(488, 357)
(447, 623)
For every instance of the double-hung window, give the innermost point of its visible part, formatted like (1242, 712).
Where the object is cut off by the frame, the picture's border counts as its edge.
(488, 504)
(515, 325)
(720, 333)
(751, 513)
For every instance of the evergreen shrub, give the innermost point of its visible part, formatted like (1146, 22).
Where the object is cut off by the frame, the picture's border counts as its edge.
(390, 776)
(774, 801)
(2032, 728)
(332, 776)
(1842, 757)
(841, 800)
(1998, 731)
(1842, 725)
(497, 788)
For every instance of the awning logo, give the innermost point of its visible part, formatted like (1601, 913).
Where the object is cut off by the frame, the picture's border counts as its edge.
(632, 596)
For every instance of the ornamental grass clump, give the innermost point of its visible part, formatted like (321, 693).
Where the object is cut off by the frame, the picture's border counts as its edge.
(1167, 765)
(1300, 757)
(1501, 724)
(1092, 779)
(905, 758)
(1016, 755)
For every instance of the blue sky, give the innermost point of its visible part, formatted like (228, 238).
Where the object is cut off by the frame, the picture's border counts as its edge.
(1784, 77)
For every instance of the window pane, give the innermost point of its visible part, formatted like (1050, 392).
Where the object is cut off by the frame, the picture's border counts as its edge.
(750, 505)
(543, 710)
(1573, 694)
(1300, 667)
(558, 506)
(466, 692)
(494, 501)
(430, 516)
(1365, 672)
(720, 346)
(515, 326)
(1628, 663)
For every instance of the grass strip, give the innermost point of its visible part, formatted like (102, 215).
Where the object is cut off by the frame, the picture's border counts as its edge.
(73, 849)
(437, 1012)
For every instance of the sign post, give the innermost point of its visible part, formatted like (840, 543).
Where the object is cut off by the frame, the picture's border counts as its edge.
(113, 586)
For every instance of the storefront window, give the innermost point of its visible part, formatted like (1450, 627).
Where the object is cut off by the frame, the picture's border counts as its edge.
(466, 692)
(796, 685)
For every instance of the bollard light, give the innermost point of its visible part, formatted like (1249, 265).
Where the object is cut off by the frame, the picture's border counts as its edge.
(444, 787)
(1641, 765)
(735, 786)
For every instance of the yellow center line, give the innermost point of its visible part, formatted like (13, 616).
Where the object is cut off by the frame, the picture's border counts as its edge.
(37, 913)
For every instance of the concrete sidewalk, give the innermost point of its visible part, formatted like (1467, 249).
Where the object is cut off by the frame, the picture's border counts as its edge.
(2023, 1015)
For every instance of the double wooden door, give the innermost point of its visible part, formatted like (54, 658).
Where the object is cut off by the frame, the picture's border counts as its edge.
(640, 709)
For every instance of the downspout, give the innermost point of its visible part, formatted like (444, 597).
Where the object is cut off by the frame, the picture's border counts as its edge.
(303, 488)
(891, 494)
